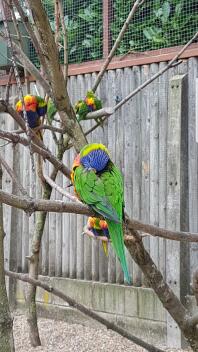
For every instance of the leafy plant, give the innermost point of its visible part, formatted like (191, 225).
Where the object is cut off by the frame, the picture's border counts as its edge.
(158, 24)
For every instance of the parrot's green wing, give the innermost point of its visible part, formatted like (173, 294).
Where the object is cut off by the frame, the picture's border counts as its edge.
(51, 110)
(92, 191)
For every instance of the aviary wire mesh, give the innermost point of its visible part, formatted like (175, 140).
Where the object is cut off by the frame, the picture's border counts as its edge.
(157, 24)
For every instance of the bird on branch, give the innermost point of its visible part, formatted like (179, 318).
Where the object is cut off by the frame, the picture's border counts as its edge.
(35, 108)
(98, 183)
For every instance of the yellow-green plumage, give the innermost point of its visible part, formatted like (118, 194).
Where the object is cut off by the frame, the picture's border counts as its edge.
(103, 192)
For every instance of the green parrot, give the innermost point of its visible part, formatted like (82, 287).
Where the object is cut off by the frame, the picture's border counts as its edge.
(98, 183)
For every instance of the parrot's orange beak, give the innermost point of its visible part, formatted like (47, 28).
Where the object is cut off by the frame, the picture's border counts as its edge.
(76, 162)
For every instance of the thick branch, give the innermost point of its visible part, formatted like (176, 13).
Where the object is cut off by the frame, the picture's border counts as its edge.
(160, 232)
(62, 207)
(155, 279)
(60, 94)
(33, 205)
(83, 309)
(100, 113)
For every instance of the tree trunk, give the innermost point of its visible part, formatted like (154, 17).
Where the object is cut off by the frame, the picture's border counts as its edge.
(6, 335)
(34, 262)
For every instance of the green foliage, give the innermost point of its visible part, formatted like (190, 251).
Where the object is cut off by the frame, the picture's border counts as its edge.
(83, 20)
(158, 24)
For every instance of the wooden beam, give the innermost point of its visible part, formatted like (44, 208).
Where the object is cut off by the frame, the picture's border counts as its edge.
(107, 8)
(136, 59)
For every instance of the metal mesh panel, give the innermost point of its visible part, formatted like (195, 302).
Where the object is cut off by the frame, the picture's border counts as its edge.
(83, 20)
(157, 24)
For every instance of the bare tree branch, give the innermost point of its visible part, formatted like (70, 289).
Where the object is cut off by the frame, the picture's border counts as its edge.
(29, 65)
(100, 113)
(79, 208)
(13, 176)
(83, 309)
(45, 153)
(135, 7)
(61, 190)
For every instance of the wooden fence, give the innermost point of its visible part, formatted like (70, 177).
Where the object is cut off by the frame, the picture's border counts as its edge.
(142, 137)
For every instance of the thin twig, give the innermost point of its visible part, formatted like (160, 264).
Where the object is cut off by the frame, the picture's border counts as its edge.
(60, 189)
(50, 127)
(13, 176)
(135, 7)
(83, 309)
(8, 85)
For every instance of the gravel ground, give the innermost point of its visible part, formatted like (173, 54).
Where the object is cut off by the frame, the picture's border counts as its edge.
(60, 336)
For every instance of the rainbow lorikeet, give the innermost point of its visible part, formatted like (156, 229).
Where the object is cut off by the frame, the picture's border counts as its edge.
(35, 107)
(98, 183)
(98, 228)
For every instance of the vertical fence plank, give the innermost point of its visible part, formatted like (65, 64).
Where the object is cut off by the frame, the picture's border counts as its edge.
(192, 161)
(145, 133)
(128, 161)
(52, 221)
(136, 155)
(45, 237)
(59, 231)
(163, 112)
(177, 189)
(154, 162)
(111, 145)
(65, 229)
(119, 150)
(103, 259)
(25, 229)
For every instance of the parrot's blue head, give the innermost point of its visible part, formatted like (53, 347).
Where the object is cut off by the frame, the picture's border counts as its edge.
(94, 156)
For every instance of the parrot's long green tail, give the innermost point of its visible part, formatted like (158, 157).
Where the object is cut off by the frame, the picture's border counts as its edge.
(116, 235)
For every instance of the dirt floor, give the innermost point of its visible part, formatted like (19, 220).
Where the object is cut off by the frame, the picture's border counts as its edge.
(60, 336)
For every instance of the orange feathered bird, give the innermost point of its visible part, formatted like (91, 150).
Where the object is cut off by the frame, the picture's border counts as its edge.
(35, 108)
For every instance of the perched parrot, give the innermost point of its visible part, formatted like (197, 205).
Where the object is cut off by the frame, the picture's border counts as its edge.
(98, 228)
(98, 183)
(35, 107)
